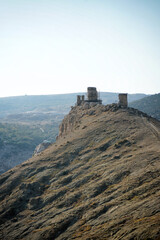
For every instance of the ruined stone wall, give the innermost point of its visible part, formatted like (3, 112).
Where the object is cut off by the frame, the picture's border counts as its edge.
(80, 99)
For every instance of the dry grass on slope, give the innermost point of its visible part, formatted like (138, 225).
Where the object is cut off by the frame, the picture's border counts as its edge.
(99, 181)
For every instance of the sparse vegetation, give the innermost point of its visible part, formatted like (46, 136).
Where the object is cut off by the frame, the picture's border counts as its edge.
(105, 190)
(18, 141)
(27, 136)
(26, 121)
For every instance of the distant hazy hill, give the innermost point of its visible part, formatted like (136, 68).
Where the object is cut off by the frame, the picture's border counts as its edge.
(55, 104)
(149, 105)
(100, 181)
(43, 103)
(18, 141)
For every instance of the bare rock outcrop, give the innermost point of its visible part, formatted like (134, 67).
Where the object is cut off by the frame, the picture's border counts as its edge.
(41, 147)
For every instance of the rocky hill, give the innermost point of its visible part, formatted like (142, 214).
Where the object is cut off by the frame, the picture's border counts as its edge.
(149, 105)
(100, 180)
(27, 121)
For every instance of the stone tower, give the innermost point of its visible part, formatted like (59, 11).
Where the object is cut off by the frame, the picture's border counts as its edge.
(123, 100)
(92, 94)
(80, 99)
(92, 97)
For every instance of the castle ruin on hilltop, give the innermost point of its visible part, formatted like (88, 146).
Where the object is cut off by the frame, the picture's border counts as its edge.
(92, 105)
(92, 97)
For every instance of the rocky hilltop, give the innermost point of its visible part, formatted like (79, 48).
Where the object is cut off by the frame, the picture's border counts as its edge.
(100, 180)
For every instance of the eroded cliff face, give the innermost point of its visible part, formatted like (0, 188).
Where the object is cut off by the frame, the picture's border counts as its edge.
(100, 180)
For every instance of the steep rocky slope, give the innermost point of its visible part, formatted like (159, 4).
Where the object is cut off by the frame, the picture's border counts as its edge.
(100, 180)
(26, 120)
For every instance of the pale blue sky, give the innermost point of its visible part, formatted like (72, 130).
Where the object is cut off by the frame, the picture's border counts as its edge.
(62, 46)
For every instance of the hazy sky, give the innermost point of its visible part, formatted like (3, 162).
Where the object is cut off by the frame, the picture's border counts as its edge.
(62, 46)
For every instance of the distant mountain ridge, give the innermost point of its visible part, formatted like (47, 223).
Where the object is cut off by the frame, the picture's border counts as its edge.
(149, 105)
(59, 103)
